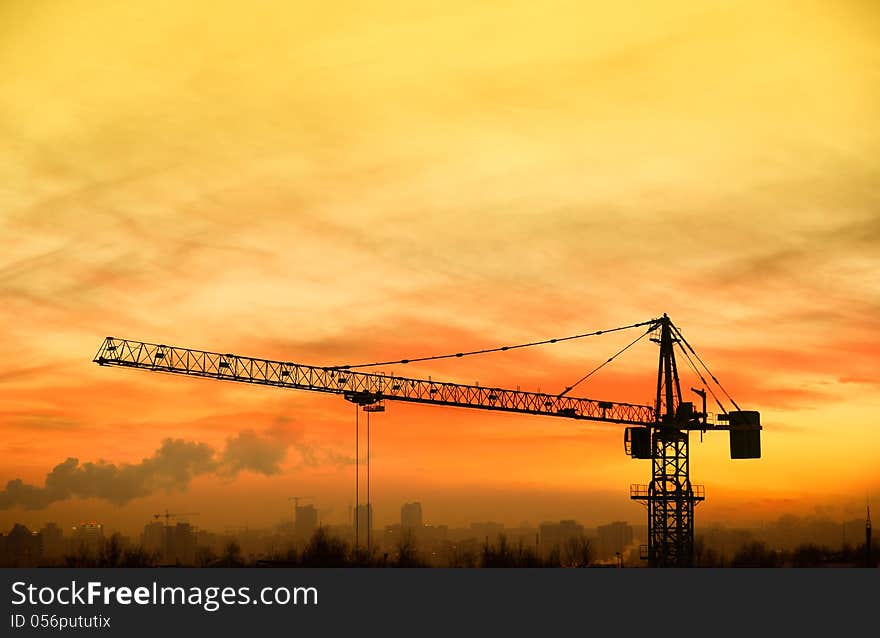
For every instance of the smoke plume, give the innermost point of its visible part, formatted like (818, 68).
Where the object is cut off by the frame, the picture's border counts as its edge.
(249, 451)
(169, 469)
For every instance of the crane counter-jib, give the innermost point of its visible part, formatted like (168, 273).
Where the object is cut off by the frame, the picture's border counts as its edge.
(361, 387)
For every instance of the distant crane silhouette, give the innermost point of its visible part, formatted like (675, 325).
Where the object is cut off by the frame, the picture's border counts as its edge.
(659, 432)
(168, 516)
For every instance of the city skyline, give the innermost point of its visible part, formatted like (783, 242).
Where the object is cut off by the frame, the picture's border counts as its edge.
(390, 514)
(788, 541)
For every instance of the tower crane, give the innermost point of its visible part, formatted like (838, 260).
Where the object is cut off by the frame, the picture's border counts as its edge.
(168, 516)
(659, 432)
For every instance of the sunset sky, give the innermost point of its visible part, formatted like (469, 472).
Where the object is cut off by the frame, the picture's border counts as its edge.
(337, 182)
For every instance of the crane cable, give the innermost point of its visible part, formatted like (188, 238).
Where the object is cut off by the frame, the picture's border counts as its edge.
(603, 364)
(702, 378)
(357, 474)
(458, 355)
(714, 378)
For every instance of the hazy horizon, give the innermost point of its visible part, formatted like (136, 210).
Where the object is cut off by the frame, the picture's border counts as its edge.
(262, 509)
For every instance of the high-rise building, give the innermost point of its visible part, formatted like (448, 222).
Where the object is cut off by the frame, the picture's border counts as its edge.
(614, 538)
(554, 536)
(52, 539)
(88, 537)
(154, 539)
(22, 547)
(306, 521)
(411, 516)
(181, 544)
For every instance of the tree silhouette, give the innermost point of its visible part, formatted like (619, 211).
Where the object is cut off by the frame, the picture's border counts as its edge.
(756, 554)
(324, 550)
(578, 552)
(231, 556)
(407, 551)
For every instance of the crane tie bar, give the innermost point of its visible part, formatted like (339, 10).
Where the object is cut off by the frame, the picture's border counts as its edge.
(458, 355)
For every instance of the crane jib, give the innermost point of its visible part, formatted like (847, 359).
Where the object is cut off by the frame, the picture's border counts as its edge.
(361, 387)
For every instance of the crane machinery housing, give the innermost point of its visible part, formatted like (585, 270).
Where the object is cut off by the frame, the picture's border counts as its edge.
(659, 432)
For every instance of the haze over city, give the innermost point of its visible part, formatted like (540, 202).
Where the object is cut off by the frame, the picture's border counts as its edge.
(306, 540)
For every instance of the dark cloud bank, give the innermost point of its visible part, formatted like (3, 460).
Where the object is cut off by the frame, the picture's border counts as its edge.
(169, 469)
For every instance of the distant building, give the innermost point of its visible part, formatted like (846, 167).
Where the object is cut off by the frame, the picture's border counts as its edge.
(181, 544)
(640, 533)
(523, 535)
(154, 539)
(391, 536)
(21, 547)
(555, 535)
(88, 537)
(431, 535)
(52, 541)
(614, 538)
(174, 544)
(306, 521)
(487, 531)
(411, 516)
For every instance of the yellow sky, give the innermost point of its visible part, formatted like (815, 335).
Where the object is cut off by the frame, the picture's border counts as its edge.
(334, 182)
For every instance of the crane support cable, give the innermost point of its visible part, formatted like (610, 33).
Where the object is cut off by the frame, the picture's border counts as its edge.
(458, 355)
(702, 378)
(604, 363)
(714, 378)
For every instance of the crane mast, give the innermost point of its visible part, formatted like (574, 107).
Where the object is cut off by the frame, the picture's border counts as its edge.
(659, 432)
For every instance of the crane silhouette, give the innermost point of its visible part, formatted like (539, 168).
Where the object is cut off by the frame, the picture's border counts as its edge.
(659, 432)
(168, 515)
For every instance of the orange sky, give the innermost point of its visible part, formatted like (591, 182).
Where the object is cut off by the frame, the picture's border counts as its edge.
(356, 180)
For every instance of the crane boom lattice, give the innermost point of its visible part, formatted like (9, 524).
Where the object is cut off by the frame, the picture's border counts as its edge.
(360, 387)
